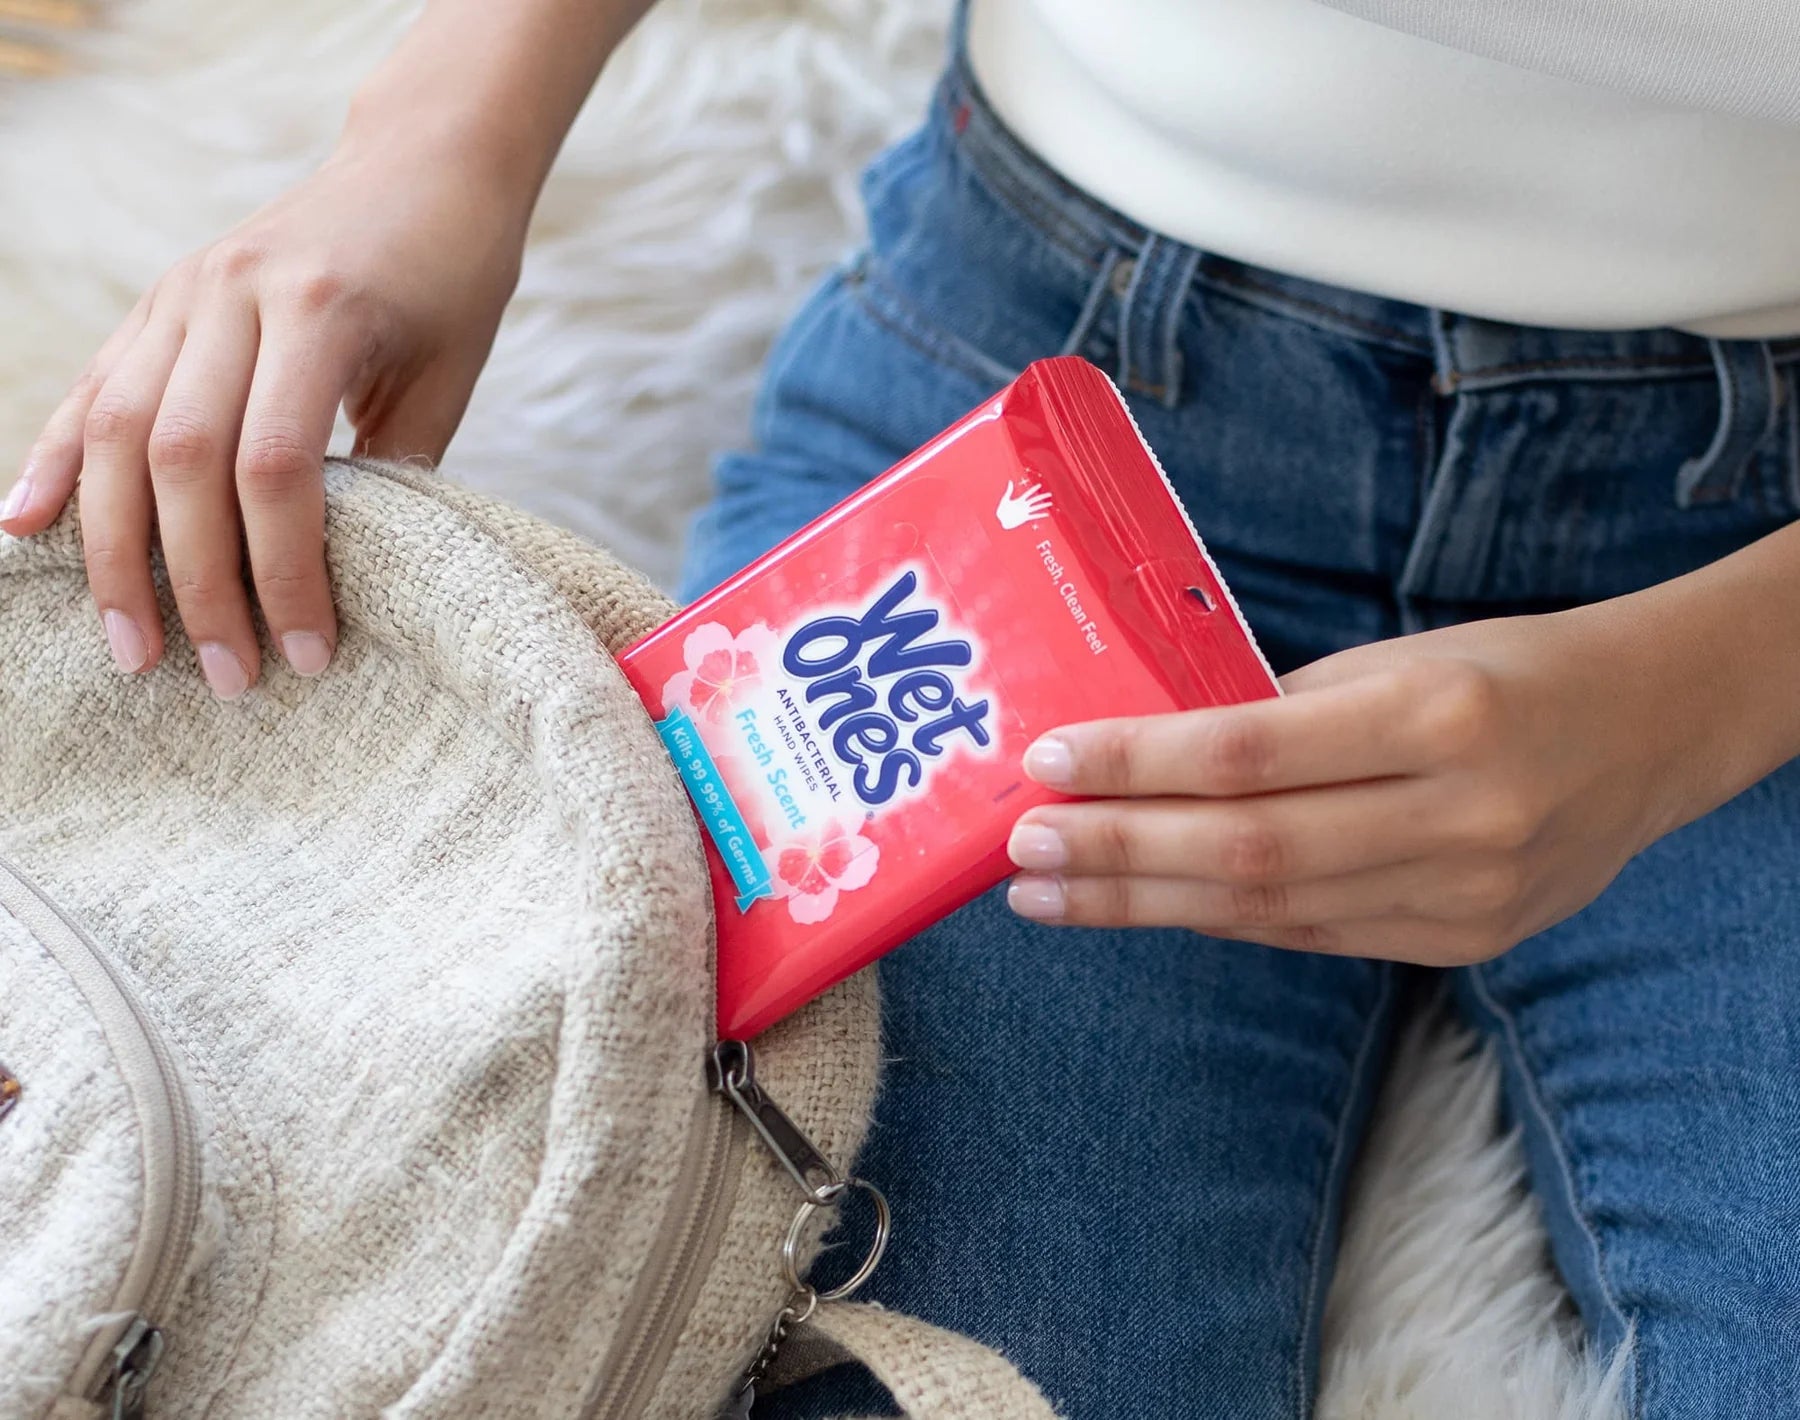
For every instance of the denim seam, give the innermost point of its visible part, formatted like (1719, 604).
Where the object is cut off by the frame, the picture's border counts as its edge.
(1009, 189)
(878, 298)
(1618, 367)
(1098, 290)
(1444, 376)
(1083, 227)
(1150, 320)
(1335, 1170)
(1514, 1043)
(1174, 373)
(1262, 297)
(1793, 449)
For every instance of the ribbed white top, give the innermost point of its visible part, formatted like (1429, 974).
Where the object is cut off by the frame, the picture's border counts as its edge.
(1736, 56)
(1587, 163)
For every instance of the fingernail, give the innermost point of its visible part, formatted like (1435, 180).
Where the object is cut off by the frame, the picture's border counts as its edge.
(1040, 899)
(129, 650)
(17, 499)
(1049, 762)
(224, 672)
(306, 651)
(1033, 845)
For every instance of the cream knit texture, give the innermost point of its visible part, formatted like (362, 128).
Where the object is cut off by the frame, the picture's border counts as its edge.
(430, 938)
(934, 1374)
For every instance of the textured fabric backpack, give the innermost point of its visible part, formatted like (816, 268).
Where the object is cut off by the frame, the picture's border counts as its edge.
(353, 1036)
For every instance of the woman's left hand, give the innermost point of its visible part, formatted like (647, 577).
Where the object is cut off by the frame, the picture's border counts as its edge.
(1436, 798)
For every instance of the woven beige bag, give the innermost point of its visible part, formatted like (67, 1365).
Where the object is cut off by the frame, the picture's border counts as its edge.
(353, 1035)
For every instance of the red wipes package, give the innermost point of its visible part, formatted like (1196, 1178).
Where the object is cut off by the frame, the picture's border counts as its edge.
(850, 712)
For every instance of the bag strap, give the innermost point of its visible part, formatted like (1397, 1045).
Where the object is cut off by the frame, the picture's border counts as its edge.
(932, 1374)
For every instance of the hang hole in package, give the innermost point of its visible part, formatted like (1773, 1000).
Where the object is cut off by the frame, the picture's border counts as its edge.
(849, 712)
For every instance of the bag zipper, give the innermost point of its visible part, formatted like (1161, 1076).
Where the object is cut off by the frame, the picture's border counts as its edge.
(122, 1357)
(732, 1073)
(706, 1187)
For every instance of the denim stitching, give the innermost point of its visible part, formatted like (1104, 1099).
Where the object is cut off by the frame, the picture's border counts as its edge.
(1260, 296)
(1512, 1042)
(1698, 481)
(1025, 204)
(1793, 445)
(876, 296)
(1005, 168)
(1154, 302)
(1335, 1169)
(1174, 365)
(1098, 290)
(1616, 366)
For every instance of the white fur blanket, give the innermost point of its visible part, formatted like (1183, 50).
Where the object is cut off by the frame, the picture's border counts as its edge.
(709, 181)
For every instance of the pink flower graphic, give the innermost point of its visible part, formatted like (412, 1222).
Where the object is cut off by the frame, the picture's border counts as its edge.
(723, 671)
(811, 871)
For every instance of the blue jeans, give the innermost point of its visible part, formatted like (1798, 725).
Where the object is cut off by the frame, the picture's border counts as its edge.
(1119, 1156)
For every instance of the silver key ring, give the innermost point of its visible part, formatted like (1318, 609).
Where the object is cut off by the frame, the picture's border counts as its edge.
(790, 1248)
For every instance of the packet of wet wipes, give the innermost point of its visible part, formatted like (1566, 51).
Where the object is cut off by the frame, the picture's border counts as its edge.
(849, 712)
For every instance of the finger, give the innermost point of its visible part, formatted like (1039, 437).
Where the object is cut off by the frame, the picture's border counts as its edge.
(300, 381)
(1307, 833)
(54, 463)
(1172, 902)
(1361, 729)
(116, 496)
(1459, 889)
(192, 449)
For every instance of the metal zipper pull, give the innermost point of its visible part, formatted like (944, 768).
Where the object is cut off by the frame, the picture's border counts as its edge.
(134, 1362)
(732, 1072)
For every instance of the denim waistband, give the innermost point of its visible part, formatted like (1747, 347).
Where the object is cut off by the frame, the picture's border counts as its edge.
(1154, 277)
(1470, 350)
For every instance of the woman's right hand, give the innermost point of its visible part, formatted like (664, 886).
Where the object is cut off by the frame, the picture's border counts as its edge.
(377, 285)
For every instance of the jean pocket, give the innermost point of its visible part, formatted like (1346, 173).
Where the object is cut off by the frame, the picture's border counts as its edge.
(887, 302)
(959, 275)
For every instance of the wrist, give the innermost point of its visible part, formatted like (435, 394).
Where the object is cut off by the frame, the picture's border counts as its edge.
(490, 89)
(1700, 672)
(391, 125)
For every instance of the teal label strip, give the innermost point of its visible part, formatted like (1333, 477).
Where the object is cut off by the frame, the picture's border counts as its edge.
(718, 810)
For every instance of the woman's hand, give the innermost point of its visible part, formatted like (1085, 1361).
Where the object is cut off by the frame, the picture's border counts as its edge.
(1435, 799)
(376, 284)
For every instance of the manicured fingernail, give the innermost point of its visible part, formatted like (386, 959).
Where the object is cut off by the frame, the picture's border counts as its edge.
(306, 651)
(129, 649)
(1033, 845)
(224, 672)
(16, 500)
(1049, 762)
(1040, 899)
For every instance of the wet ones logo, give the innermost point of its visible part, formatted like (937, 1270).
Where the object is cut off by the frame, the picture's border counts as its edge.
(885, 691)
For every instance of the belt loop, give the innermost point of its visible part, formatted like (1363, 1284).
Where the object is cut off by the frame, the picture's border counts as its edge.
(1445, 375)
(1747, 411)
(1150, 318)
